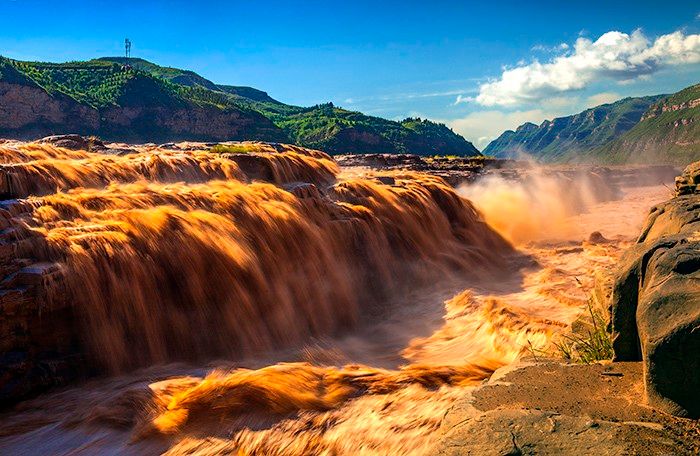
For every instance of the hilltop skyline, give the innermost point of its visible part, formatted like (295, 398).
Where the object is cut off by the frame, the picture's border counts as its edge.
(479, 69)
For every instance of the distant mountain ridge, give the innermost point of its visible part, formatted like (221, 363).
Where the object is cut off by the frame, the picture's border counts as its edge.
(577, 134)
(669, 131)
(138, 101)
(654, 129)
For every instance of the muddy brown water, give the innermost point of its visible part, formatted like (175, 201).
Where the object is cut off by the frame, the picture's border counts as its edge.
(381, 388)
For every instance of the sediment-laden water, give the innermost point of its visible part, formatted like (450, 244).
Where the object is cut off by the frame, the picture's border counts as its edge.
(269, 303)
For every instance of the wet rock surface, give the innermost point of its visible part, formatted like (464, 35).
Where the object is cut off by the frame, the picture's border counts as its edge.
(540, 407)
(38, 343)
(281, 191)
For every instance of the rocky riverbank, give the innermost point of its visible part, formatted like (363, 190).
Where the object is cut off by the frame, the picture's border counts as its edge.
(655, 306)
(546, 407)
(643, 403)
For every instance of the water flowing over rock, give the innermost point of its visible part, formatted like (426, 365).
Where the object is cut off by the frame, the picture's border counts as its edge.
(308, 311)
(171, 254)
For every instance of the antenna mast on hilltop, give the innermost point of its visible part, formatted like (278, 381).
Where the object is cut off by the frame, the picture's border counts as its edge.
(127, 49)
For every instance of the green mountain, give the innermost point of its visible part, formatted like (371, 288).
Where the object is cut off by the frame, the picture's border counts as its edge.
(138, 101)
(668, 132)
(565, 137)
(119, 103)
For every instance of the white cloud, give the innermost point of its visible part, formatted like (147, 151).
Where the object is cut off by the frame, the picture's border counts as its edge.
(398, 97)
(543, 48)
(614, 55)
(463, 99)
(484, 126)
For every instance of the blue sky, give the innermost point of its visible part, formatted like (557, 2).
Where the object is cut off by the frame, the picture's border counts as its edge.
(448, 61)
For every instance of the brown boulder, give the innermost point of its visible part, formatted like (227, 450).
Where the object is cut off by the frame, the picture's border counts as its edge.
(689, 182)
(73, 142)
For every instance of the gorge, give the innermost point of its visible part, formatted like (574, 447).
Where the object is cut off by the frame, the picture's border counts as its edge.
(260, 298)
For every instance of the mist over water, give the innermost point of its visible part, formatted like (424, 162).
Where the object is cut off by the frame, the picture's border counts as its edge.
(351, 311)
(538, 206)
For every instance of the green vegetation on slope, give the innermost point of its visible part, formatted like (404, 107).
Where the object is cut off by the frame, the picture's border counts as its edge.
(337, 130)
(11, 75)
(102, 83)
(92, 84)
(114, 82)
(565, 137)
(668, 132)
(176, 75)
(121, 102)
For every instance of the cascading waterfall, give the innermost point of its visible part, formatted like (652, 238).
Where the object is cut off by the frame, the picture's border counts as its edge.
(265, 257)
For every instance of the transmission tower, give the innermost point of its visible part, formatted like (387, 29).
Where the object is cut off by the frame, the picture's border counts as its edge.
(127, 49)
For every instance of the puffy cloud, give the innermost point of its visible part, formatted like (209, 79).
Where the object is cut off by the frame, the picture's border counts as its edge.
(615, 55)
(673, 49)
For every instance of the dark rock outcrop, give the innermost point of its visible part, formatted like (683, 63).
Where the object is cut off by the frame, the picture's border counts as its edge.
(73, 142)
(28, 111)
(655, 303)
(37, 340)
